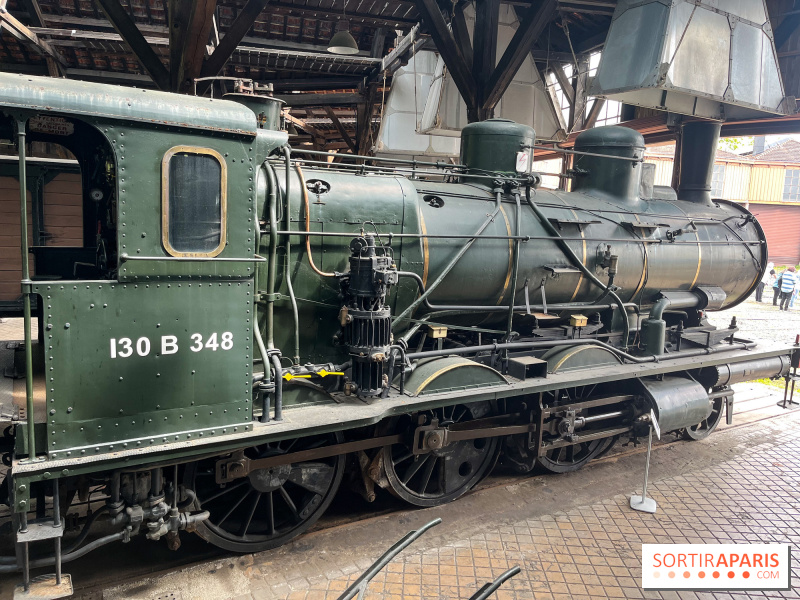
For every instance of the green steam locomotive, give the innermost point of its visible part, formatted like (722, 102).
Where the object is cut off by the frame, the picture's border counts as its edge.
(247, 325)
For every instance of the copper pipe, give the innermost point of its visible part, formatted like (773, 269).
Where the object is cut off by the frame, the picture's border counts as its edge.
(304, 191)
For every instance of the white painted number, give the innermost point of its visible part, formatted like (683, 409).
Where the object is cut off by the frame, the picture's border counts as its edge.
(124, 347)
(127, 347)
(198, 342)
(211, 342)
(142, 346)
(227, 341)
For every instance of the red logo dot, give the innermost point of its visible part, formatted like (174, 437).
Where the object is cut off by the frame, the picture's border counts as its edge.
(671, 574)
(686, 574)
(731, 574)
(715, 574)
(746, 574)
(701, 574)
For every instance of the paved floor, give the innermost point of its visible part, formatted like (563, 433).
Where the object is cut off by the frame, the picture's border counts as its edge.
(573, 535)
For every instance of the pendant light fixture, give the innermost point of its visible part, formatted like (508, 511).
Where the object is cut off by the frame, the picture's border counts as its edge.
(342, 41)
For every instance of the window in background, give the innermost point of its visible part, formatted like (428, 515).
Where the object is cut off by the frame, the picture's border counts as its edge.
(718, 181)
(791, 185)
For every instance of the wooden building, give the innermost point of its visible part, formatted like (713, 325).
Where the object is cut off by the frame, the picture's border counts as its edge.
(767, 183)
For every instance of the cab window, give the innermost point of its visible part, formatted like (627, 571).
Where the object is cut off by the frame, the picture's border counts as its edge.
(194, 210)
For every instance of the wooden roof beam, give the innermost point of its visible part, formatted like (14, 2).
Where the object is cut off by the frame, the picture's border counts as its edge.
(484, 50)
(189, 27)
(126, 27)
(235, 34)
(788, 26)
(341, 128)
(461, 32)
(56, 62)
(526, 35)
(451, 53)
(564, 83)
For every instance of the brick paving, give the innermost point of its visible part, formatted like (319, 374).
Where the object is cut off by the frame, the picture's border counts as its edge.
(593, 551)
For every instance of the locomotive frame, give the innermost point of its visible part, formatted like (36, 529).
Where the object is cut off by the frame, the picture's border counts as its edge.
(145, 379)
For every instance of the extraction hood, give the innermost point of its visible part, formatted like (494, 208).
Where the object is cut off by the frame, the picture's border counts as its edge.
(707, 58)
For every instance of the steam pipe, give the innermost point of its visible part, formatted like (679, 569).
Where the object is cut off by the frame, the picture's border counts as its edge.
(579, 342)
(288, 274)
(70, 556)
(26, 291)
(579, 264)
(515, 268)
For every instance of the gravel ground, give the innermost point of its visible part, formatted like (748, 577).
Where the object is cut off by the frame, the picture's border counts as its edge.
(761, 320)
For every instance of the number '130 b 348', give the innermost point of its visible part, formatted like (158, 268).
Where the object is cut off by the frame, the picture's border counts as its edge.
(125, 347)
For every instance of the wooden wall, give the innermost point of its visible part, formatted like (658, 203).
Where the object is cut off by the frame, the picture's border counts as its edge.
(63, 225)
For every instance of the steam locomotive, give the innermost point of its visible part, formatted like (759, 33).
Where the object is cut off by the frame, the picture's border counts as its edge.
(247, 324)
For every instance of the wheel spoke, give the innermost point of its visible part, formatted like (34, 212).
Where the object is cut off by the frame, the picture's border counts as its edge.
(288, 500)
(412, 470)
(224, 491)
(426, 475)
(271, 513)
(246, 523)
(405, 457)
(313, 476)
(233, 508)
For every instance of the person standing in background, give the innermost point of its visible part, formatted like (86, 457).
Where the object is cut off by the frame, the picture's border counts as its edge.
(794, 292)
(788, 281)
(776, 287)
(769, 273)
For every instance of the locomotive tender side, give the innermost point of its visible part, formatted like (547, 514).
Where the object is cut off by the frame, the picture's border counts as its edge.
(255, 315)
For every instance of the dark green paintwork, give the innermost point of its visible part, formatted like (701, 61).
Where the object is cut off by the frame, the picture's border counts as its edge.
(96, 403)
(493, 145)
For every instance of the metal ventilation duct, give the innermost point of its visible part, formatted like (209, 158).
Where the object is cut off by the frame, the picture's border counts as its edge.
(708, 58)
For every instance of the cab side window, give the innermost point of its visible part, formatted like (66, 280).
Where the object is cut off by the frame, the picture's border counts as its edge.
(194, 211)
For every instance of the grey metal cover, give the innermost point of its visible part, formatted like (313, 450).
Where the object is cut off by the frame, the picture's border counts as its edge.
(709, 58)
(678, 402)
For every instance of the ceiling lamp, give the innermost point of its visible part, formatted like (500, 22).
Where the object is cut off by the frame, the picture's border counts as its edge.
(342, 41)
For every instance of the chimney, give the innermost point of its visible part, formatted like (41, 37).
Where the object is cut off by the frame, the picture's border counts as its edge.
(759, 144)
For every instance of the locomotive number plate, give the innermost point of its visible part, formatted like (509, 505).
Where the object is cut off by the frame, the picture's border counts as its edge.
(126, 347)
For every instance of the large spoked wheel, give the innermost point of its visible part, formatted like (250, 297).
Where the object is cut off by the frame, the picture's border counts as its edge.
(270, 506)
(566, 459)
(704, 428)
(442, 475)
(571, 458)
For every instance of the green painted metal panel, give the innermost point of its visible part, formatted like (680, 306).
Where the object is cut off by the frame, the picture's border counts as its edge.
(55, 95)
(139, 153)
(133, 365)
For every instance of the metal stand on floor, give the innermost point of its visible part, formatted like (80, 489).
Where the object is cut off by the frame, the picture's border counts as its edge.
(44, 587)
(788, 397)
(643, 503)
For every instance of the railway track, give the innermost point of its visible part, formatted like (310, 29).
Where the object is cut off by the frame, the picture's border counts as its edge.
(142, 558)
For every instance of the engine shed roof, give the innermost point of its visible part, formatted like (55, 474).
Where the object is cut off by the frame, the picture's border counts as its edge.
(72, 97)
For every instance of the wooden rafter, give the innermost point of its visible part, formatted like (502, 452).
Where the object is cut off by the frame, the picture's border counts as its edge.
(484, 49)
(594, 112)
(461, 32)
(378, 42)
(527, 33)
(235, 34)
(788, 26)
(341, 128)
(189, 26)
(31, 40)
(451, 52)
(564, 83)
(126, 27)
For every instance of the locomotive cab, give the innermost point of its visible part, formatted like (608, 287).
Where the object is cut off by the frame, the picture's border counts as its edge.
(158, 231)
